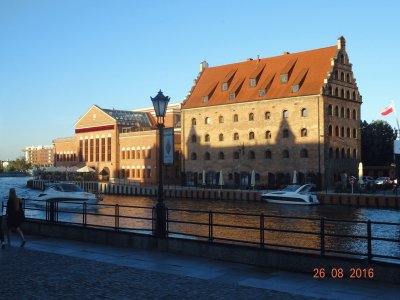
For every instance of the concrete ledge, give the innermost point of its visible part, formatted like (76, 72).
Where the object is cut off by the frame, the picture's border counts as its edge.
(284, 260)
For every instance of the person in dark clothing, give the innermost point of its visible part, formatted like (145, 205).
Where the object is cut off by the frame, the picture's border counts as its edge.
(1, 231)
(15, 216)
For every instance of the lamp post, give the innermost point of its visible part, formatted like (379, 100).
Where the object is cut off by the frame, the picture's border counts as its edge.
(160, 103)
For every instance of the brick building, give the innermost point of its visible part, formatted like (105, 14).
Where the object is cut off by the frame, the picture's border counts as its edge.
(40, 156)
(120, 144)
(274, 115)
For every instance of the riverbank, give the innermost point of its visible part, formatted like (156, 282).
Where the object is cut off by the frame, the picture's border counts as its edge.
(377, 200)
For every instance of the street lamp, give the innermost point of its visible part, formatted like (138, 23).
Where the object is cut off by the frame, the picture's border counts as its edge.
(160, 103)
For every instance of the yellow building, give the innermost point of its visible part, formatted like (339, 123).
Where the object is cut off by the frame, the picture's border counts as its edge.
(295, 112)
(120, 144)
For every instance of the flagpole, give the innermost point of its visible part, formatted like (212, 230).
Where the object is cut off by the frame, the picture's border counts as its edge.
(397, 119)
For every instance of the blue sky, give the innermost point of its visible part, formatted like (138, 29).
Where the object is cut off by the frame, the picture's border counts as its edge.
(57, 58)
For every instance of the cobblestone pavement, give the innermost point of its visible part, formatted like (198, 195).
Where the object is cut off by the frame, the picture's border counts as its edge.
(29, 274)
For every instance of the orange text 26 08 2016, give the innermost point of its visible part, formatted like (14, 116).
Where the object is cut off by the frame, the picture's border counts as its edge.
(339, 273)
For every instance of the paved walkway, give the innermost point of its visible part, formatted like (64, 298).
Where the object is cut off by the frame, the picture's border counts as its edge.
(61, 269)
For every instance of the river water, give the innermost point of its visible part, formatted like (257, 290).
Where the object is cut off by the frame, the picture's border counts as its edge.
(242, 206)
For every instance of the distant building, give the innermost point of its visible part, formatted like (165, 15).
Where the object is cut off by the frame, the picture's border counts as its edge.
(40, 156)
(120, 144)
(274, 115)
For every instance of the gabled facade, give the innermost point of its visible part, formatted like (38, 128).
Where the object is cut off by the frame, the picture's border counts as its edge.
(120, 144)
(275, 115)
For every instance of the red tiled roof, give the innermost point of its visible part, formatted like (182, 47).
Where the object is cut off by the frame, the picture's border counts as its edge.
(308, 67)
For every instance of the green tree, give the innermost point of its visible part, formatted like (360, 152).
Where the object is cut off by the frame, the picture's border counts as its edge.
(377, 143)
(21, 165)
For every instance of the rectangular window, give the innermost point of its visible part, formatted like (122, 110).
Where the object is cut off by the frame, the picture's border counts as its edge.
(231, 96)
(138, 154)
(133, 154)
(225, 86)
(103, 149)
(86, 158)
(80, 151)
(284, 78)
(123, 154)
(261, 93)
(253, 82)
(91, 149)
(128, 154)
(149, 153)
(138, 173)
(148, 173)
(109, 149)
(143, 154)
(97, 149)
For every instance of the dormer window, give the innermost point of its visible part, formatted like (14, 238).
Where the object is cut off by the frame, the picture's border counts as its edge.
(295, 88)
(298, 81)
(253, 82)
(261, 93)
(231, 96)
(284, 78)
(205, 99)
(256, 74)
(225, 86)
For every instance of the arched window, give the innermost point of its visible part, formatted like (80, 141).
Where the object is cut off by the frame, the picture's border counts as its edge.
(304, 112)
(337, 153)
(285, 114)
(347, 94)
(330, 153)
(207, 138)
(341, 76)
(354, 133)
(207, 120)
(329, 110)
(303, 153)
(336, 111)
(336, 74)
(330, 130)
(342, 112)
(236, 136)
(207, 156)
(348, 132)
(235, 154)
(193, 156)
(194, 138)
(221, 155)
(354, 153)
(267, 115)
(251, 117)
(252, 154)
(342, 131)
(354, 96)
(285, 153)
(341, 93)
(336, 92)
(348, 77)
(336, 131)
(268, 154)
(268, 134)
(329, 91)
(251, 135)
(354, 114)
(221, 137)
(341, 60)
(285, 133)
(194, 121)
(348, 113)
(343, 154)
(235, 118)
(221, 119)
(303, 132)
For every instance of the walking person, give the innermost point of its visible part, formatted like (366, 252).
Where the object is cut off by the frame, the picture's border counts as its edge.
(15, 216)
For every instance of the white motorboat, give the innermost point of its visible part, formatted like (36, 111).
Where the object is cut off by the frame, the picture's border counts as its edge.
(67, 192)
(293, 194)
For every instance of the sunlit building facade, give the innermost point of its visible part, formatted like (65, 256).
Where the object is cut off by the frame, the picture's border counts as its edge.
(40, 156)
(120, 144)
(295, 112)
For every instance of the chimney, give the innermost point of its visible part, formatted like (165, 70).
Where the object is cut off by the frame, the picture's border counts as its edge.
(341, 43)
(258, 57)
(203, 66)
(286, 53)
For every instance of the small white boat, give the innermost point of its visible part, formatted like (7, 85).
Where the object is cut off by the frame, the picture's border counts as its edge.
(67, 192)
(293, 194)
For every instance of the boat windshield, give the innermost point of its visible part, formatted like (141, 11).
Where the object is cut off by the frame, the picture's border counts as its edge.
(292, 188)
(67, 188)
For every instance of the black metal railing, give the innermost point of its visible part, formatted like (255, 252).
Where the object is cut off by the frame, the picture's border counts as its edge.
(322, 236)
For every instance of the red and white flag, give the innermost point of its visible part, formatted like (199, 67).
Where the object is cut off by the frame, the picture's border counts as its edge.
(387, 110)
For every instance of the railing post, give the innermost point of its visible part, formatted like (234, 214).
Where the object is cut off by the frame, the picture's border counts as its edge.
(116, 216)
(369, 233)
(210, 225)
(322, 236)
(262, 230)
(84, 216)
